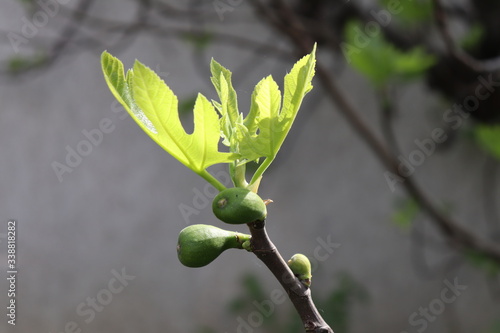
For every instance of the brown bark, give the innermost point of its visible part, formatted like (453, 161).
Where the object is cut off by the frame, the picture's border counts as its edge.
(298, 293)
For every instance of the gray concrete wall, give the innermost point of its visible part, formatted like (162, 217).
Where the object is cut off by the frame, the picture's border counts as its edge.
(119, 208)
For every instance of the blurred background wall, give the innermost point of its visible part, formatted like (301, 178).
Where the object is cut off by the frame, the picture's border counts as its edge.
(118, 210)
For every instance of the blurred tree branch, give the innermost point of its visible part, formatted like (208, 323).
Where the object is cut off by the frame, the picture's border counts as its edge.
(454, 50)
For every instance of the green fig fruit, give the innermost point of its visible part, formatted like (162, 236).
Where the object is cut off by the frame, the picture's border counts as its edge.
(301, 267)
(239, 205)
(200, 244)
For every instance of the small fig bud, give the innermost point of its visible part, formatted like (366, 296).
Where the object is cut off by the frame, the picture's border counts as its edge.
(301, 267)
(239, 205)
(200, 244)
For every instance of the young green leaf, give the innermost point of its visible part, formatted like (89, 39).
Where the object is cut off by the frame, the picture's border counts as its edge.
(265, 113)
(116, 80)
(228, 106)
(154, 107)
(120, 86)
(273, 125)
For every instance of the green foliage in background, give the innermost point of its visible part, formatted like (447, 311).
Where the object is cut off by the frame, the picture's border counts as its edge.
(495, 328)
(479, 260)
(405, 213)
(488, 137)
(379, 60)
(411, 12)
(472, 37)
(18, 64)
(335, 307)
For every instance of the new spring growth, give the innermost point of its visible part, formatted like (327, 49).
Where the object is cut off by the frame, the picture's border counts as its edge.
(258, 135)
(301, 268)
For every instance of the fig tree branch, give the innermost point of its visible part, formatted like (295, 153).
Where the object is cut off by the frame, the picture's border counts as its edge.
(453, 49)
(300, 295)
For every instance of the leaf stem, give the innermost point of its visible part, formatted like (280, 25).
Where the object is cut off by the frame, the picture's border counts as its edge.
(212, 180)
(260, 170)
(238, 174)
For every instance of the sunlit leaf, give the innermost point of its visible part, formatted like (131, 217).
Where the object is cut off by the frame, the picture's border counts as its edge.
(154, 107)
(271, 117)
(228, 106)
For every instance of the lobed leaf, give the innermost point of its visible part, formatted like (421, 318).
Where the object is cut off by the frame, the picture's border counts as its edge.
(228, 106)
(153, 105)
(272, 123)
